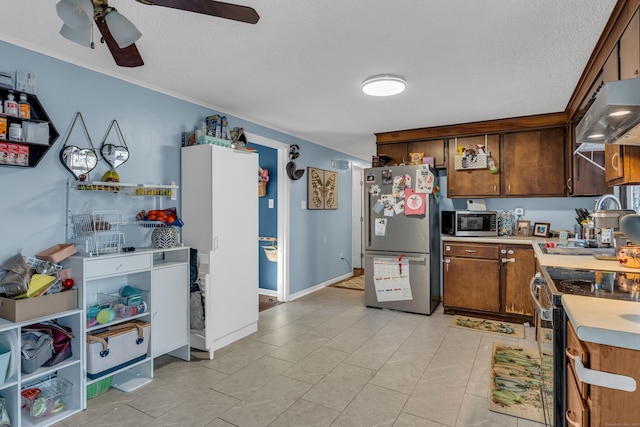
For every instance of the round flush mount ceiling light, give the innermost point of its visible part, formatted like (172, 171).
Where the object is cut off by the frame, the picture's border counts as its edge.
(384, 85)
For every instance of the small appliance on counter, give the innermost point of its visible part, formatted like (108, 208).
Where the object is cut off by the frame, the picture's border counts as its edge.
(470, 223)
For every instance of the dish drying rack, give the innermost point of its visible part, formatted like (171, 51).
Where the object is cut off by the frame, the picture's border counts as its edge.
(98, 232)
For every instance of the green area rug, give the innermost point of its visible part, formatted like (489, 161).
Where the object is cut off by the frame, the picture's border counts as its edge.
(515, 379)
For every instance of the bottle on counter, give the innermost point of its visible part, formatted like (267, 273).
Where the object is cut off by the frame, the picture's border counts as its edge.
(10, 105)
(24, 109)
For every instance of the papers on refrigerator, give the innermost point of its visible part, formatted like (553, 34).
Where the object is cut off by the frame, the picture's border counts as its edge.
(391, 279)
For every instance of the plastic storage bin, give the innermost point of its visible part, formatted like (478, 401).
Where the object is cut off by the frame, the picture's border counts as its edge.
(117, 347)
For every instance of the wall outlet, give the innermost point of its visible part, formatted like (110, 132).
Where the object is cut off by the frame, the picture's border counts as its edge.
(341, 257)
(519, 211)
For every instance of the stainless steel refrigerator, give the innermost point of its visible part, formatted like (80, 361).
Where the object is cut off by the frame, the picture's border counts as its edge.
(402, 239)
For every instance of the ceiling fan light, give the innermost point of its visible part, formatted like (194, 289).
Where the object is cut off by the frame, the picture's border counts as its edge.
(77, 14)
(82, 37)
(384, 85)
(122, 30)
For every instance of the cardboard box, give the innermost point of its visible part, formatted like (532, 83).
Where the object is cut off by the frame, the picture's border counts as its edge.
(57, 253)
(32, 308)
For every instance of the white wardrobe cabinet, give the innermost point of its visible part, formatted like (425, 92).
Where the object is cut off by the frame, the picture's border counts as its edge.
(220, 212)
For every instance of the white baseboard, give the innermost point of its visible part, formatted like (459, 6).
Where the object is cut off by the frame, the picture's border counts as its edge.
(319, 286)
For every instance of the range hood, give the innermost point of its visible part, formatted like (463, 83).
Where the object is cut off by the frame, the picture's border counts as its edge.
(613, 118)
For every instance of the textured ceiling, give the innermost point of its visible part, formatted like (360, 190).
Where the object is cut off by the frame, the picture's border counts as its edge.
(299, 69)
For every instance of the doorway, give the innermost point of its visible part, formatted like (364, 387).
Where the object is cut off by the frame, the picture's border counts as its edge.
(283, 197)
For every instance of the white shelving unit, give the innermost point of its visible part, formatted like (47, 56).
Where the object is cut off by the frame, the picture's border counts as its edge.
(70, 370)
(164, 274)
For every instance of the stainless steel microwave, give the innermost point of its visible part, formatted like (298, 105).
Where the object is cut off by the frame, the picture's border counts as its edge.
(470, 223)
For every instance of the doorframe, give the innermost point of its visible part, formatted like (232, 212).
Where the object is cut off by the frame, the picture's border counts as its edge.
(357, 201)
(284, 195)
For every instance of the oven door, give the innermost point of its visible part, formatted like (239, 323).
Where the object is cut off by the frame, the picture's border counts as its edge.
(541, 298)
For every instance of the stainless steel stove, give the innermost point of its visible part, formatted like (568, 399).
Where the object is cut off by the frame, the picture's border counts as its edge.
(546, 291)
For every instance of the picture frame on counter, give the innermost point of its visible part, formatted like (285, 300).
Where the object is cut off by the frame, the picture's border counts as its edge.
(541, 229)
(522, 228)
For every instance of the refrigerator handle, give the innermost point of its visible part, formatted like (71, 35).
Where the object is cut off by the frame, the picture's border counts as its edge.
(368, 197)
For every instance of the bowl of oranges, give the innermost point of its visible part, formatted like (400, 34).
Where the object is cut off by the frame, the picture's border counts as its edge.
(160, 217)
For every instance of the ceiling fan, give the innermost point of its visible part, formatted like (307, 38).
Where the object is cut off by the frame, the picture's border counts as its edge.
(120, 34)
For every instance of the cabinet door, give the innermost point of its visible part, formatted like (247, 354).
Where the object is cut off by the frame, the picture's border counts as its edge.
(630, 49)
(587, 178)
(518, 273)
(169, 308)
(622, 164)
(474, 182)
(399, 152)
(436, 148)
(613, 166)
(533, 163)
(610, 406)
(471, 283)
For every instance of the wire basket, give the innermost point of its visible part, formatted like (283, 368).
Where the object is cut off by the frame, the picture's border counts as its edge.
(98, 232)
(45, 397)
(100, 243)
(97, 221)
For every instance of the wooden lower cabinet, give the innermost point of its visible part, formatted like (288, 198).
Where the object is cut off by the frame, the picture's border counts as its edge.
(481, 279)
(595, 406)
(519, 268)
(472, 283)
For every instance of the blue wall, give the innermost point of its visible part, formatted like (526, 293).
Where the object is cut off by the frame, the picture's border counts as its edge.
(34, 211)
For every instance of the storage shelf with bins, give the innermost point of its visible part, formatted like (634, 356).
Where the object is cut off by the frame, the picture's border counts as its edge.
(163, 276)
(36, 150)
(68, 371)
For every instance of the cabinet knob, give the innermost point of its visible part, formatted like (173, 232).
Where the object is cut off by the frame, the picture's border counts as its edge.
(503, 251)
(510, 251)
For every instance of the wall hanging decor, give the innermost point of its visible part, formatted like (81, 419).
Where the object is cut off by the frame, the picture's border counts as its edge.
(293, 173)
(322, 189)
(79, 161)
(114, 155)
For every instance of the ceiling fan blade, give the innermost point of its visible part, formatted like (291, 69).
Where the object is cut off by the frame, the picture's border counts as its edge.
(127, 57)
(210, 7)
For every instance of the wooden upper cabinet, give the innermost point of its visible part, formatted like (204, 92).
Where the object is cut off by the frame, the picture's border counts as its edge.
(630, 49)
(533, 163)
(399, 152)
(473, 182)
(436, 148)
(622, 164)
(611, 68)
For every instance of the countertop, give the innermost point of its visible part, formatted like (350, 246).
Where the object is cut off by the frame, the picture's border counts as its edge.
(604, 321)
(597, 320)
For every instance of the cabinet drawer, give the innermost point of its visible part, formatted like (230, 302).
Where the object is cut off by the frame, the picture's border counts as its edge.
(577, 408)
(470, 250)
(576, 348)
(117, 266)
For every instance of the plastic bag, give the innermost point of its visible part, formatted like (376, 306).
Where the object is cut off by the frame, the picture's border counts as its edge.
(16, 280)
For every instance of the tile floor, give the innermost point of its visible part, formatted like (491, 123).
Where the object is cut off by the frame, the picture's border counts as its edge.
(322, 360)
